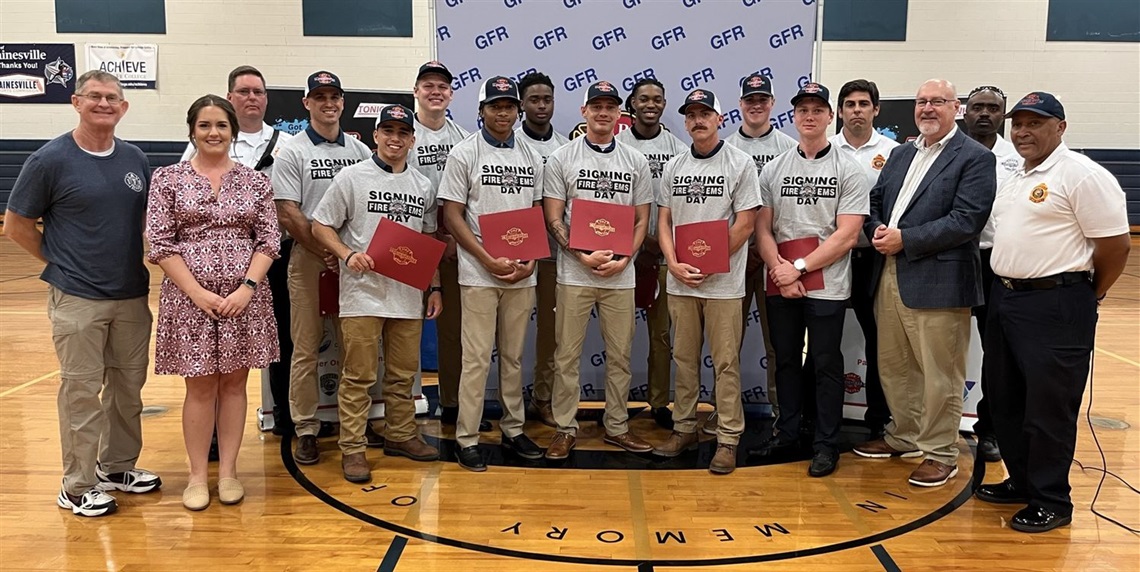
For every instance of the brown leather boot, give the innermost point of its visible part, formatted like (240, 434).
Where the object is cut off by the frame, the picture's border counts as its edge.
(355, 467)
(414, 449)
(724, 461)
(676, 444)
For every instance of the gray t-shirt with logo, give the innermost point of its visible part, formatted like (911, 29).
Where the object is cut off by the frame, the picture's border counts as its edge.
(657, 151)
(620, 176)
(545, 148)
(304, 169)
(93, 209)
(764, 148)
(489, 180)
(358, 198)
(429, 155)
(806, 196)
(711, 188)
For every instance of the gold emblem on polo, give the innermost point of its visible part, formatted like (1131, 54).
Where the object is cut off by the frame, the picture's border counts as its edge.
(403, 255)
(878, 162)
(699, 248)
(602, 227)
(1039, 193)
(515, 236)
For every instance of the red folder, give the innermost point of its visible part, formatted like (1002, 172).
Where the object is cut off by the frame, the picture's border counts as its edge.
(703, 245)
(328, 293)
(792, 250)
(517, 235)
(602, 226)
(405, 255)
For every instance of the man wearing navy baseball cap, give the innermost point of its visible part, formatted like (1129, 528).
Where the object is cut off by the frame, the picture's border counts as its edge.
(1060, 242)
(491, 172)
(711, 182)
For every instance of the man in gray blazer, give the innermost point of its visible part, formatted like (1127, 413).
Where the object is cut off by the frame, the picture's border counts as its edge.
(927, 210)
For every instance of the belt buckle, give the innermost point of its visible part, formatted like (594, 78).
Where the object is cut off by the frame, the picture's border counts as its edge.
(1007, 283)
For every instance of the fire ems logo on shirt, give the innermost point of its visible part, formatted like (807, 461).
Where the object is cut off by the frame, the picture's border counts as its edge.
(602, 227)
(133, 182)
(402, 255)
(878, 162)
(515, 236)
(1039, 193)
(699, 248)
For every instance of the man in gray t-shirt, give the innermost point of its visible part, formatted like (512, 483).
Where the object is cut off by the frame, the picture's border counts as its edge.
(713, 181)
(816, 196)
(595, 167)
(91, 188)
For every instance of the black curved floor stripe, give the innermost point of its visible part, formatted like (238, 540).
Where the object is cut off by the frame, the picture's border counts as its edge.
(313, 489)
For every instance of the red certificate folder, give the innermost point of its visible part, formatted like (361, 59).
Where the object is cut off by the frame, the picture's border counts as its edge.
(602, 226)
(328, 293)
(703, 245)
(792, 250)
(405, 255)
(517, 235)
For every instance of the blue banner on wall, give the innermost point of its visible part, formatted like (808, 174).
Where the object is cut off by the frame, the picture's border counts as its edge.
(37, 73)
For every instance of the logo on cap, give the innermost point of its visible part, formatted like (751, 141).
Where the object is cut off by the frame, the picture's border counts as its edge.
(396, 112)
(604, 86)
(1039, 193)
(699, 248)
(502, 84)
(324, 78)
(602, 227)
(811, 88)
(435, 64)
(756, 81)
(1031, 99)
(697, 96)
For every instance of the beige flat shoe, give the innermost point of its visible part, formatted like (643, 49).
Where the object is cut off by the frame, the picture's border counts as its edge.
(230, 491)
(196, 497)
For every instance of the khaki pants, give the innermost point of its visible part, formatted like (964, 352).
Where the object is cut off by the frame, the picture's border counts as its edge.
(544, 343)
(754, 288)
(447, 327)
(362, 337)
(485, 312)
(615, 316)
(102, 345)
(718, 320)
(922, 364)
(660, 352)
(308, 329)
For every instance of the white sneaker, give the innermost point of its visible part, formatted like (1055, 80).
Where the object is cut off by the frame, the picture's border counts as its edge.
(132, 481)
(93, 503)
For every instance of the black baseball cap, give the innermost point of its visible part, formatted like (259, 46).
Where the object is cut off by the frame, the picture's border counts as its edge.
(813, 90)
(602, 89)
(755, 83)
(498, 87)
(323, 79)
(434, 66)
(395, 112)
(703, 97)
(1040, 102)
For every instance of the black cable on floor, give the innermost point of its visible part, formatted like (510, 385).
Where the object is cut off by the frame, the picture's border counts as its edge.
(1103, 469)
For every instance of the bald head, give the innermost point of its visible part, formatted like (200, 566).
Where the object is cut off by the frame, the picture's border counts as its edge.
(943, 87)
(935, 107)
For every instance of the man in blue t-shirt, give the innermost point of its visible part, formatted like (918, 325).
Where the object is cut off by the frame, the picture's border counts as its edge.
(90, 188)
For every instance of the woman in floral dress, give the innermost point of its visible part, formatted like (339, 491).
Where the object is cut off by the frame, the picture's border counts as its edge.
(212, 227)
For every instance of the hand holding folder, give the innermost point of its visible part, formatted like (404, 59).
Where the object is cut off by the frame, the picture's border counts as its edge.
(791, 250)
(596, 225)
(405, 255)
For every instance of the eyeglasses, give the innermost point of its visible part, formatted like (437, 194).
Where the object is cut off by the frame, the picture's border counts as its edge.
(112, 99)
(246, 92)
(920, 103)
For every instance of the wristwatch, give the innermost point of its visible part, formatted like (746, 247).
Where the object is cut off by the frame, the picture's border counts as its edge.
(801, 265)
(435, 289)
(249, 283)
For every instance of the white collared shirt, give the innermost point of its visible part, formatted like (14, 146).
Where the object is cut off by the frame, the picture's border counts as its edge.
(1008, 163)
(1046, 218)
(249, 147)
(923, 159)
(871, 158)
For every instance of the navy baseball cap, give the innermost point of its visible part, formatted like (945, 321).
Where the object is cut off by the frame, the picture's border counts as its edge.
(323, 79)
(436, 67)
(813, 90)
(1041, 103)
(498, 87)
(755, 83)
(395, 112)
(602, 89)
(703, 97)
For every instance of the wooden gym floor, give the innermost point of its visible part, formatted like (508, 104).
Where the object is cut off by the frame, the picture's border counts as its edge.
(436, 516)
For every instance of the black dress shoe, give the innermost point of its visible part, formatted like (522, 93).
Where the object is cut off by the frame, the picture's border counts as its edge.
(470, 459)
(523, 447)
(374, 439)
(774, 445)
(988, 448)
(823, 464)
(1001, 493)
(663, 417)
(1034, 519)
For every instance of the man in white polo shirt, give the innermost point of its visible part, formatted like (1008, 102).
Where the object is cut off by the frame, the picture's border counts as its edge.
(1060, 242)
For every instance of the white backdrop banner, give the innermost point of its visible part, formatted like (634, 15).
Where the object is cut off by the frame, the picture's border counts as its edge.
(684, 44)
(136, 65)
